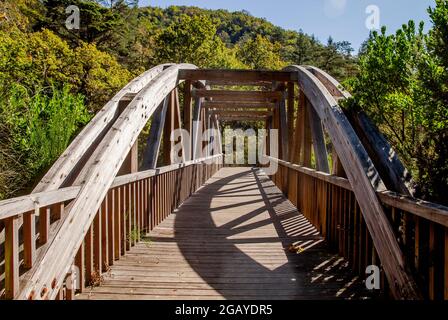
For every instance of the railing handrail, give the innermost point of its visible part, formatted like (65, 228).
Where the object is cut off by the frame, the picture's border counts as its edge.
(20, 205)
(428, 210)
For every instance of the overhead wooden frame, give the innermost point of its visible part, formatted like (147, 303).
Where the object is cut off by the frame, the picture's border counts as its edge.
(237, 104)
(237, 76)
(242, 113)
(238, 96)
(241, 118)
(362, 176)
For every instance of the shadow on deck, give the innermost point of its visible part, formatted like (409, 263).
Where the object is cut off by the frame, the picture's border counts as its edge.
(233, 239)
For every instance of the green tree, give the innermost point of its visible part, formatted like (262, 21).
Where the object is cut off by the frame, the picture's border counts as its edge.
(402, 86)
(36, 129)
(191, 40)
(260, 53)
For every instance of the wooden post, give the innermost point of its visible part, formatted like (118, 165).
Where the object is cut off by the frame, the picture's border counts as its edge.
(11, 257)
(79, 263)
(88, 249)
(97, 261)
(187, 110)
(29, 238)
(291, 102)
(317, 133)
(298, 133)
(44, 225)
(118, 222)
(197, 129)
(104, 235)
(306, 138)
(168, 128)
(283, 126)
(446, 265)
(151, 153)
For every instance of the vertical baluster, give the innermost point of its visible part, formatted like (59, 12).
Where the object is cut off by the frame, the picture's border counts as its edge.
(140, 211)
(432, 255)
(145, 206)
(129, 216)
(111, 226)
(11, 257)
(79, 263)
(29, 238)
(104, 235)
(355, 237)
(57, 211)
(123, 224)
(446, 265)
(88, 248)
(116, 203)
(69, 289)
(44, 225)
(97, 261)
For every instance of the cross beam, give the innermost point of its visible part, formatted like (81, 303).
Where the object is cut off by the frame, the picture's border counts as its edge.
(234, 105)
(237, 76)
(233, 95)
(242, 118)
(242, 113)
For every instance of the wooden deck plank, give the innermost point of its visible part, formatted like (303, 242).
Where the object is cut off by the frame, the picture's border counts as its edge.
(231, 240)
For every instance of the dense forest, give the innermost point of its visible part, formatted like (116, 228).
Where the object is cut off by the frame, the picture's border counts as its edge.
(53, 80)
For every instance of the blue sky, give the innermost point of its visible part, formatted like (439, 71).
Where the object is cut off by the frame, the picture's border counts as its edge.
(342, 19)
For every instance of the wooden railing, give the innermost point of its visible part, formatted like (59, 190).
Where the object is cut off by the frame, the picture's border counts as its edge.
(134, 204)
(329, 203)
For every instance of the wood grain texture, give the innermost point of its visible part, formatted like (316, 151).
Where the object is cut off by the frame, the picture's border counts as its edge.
(364, 179)
(230, 240)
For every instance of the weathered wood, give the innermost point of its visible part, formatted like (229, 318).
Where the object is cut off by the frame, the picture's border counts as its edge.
(365, 181)
(65, 164)
(16, 206)
(241, 113)
(320, 149)
(188, 112)
(239, 96)
(298, 132)
(306, 135)
(80, 262)
(29, 238)
(291, 110)
(11, 257)
(151, 152)
(118, 142)
(283, 126)
(44, 225)
(169, 128)
(386, 160)
(197, 129)
(237, 105)
(237, 76)
(226, 242)
(240, 118)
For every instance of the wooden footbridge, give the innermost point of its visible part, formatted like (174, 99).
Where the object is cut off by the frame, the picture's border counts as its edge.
(115, 218)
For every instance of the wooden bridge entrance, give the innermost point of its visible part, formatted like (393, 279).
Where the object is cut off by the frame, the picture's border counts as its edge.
(237, 237)
(101, 216)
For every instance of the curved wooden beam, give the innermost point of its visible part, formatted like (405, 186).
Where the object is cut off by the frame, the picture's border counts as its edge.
(363, 177)
(391, 169)
(69, 160)
(50, 272)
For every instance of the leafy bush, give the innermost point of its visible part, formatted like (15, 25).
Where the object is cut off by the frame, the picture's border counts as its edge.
(36, 130)
(402, 85)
